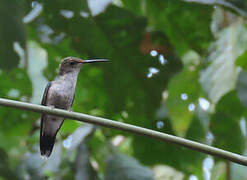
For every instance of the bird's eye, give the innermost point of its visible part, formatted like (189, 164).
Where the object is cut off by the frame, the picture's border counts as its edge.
(72, 63)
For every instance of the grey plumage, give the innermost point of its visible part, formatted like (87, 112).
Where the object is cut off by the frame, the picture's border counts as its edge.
(59, 94)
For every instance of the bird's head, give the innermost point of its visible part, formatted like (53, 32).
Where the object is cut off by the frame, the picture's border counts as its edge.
(72, 64)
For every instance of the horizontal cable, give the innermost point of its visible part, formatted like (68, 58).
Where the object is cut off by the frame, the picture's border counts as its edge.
(128, 128)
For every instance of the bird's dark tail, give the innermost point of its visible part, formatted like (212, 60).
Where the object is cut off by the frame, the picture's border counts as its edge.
(48, 130)
(46, 144)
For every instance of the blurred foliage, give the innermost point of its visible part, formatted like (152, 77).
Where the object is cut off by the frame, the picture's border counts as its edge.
(12, 31)
(177, 67)
(120, 167)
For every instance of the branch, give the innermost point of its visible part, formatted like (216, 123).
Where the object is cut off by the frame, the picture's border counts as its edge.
(221, 3)
(129, 128)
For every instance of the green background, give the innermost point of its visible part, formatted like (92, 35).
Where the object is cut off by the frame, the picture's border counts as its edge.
(177, 67)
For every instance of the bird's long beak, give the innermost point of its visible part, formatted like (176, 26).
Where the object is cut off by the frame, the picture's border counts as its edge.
(94, 61)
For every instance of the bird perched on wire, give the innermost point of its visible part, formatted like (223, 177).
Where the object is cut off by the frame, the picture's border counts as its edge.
(60, 94)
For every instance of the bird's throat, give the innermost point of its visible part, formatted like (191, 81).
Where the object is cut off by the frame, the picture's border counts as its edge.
(69, 79)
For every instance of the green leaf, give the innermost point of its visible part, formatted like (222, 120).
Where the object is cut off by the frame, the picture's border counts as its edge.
(183, 84)
(242, 60)
(196, 131)
(225, 124)
(135, 6)
(221, 75)
(177, 19)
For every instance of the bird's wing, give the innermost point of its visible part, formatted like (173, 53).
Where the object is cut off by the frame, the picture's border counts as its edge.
(43, 102)
(73, 100)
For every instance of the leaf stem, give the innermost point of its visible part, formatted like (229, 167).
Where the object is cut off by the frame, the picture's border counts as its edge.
(129, 128)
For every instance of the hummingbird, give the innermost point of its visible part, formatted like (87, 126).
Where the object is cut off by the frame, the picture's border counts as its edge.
(60, 93)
